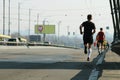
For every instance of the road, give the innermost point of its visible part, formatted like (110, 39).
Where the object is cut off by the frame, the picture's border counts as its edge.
(52, 63)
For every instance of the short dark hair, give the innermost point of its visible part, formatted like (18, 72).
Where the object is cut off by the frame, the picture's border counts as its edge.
(101, 28)
(89, 16)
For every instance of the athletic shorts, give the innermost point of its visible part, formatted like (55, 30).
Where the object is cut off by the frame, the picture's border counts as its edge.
(100, 41)
(88, 40)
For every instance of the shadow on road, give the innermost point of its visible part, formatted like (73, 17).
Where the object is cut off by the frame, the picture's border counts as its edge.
(116, 48)
(84, 67)
(57, 65)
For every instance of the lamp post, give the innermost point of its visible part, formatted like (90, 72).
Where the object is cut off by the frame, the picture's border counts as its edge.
(37, 18)
(68, 33)
(44, 35)
(9, 18)
(18, 19)
(29, 21)
(59, 30)
(3, 17)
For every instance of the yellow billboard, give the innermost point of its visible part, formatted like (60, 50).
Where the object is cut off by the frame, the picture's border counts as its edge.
(47, 29)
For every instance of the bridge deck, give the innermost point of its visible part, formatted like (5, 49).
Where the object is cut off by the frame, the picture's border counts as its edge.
(50, 63)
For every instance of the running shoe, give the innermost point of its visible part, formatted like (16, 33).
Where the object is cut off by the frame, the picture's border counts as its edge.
(88, 59)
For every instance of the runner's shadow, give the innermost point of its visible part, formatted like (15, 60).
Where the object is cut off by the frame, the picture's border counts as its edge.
(85, 67)
(33, 65)
(85, 72)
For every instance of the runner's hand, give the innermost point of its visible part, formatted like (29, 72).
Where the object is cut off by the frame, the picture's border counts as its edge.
(81, 32)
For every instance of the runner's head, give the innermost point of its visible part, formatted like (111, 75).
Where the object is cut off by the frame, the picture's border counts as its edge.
(101, 29)
(89, 16)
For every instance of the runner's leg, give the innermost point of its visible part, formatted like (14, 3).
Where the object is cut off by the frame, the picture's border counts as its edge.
(98, 45)
(85, 45)
(101, 45)
(85, 48)
(89, 51)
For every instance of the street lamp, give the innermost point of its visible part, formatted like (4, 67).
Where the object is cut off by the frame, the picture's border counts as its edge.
(59, 30)
(29, 21)
(37, 18)
(18, 19)
(3, 17)
(68, 33)
(44, 34)
(9, 19)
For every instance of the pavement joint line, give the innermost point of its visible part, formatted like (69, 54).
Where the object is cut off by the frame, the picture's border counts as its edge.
(96, 72)
(100, 60)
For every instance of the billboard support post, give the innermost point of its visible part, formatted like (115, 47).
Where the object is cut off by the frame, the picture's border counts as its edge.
(44, 35)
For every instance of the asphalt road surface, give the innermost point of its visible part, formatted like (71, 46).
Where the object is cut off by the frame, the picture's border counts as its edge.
(46, 63)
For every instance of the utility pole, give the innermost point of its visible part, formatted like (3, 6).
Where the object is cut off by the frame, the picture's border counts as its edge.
(44, 35)
(9, 18)
(29, 23)
(59, 30)
(37, 25)
(68, 33)
(37, 18)
(3, 17)
(18, 19)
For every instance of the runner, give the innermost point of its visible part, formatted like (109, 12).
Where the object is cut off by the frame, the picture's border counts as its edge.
(89, 30)
(105, 44)
(100, 38)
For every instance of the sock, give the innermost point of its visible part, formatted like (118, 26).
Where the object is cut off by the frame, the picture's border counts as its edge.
(89, 52)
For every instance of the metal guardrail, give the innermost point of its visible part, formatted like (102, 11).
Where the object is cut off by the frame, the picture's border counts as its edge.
(34, 44)
(12, 43)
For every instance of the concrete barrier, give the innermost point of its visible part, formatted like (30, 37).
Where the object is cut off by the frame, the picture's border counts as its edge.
(97, 71)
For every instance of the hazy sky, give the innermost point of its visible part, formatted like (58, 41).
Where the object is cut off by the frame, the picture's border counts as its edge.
(69, 12)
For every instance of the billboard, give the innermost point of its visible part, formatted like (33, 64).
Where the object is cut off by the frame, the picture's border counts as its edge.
(47, 29)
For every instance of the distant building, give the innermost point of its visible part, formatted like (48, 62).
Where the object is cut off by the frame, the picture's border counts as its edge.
(35, 38)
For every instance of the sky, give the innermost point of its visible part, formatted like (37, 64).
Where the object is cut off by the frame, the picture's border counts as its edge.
(68, 14)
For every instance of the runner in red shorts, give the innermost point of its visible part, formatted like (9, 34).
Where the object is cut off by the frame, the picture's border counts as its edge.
(100, 39)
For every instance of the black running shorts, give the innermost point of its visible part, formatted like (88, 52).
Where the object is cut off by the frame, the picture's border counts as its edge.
(88, 40)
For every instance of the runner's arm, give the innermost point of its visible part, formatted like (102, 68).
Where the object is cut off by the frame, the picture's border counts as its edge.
(94, 30)
(97, 37)
(81, 29)
(104, 36)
